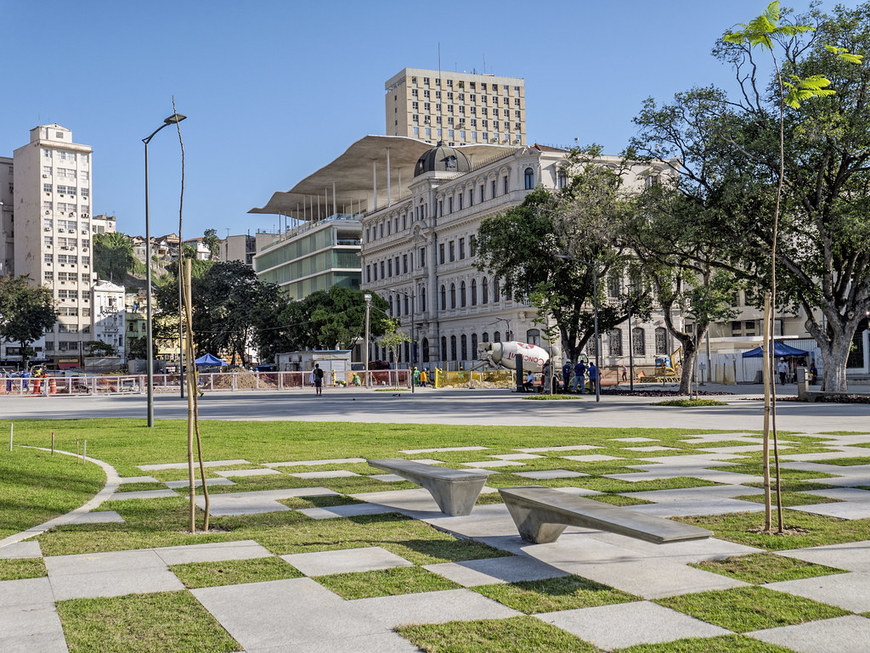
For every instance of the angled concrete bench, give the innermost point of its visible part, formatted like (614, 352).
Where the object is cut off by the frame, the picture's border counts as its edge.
(454, 490)
(541, 514)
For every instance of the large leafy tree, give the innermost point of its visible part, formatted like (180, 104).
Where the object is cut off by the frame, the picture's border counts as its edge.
(554, 245)
(326, 319)
(730, 155)
(113, 256)
(26, 312)
(210, 239)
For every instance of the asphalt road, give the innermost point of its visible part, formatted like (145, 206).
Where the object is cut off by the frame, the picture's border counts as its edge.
(450, 406)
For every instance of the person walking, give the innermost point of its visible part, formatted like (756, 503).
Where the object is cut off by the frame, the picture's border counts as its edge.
(416, 377)
(424, 378)
(593, 376)
(579, 377)
(782, 368)
(567, 368)
(317, 373)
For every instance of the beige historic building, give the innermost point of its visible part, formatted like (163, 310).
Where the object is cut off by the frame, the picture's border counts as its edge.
(457, 108)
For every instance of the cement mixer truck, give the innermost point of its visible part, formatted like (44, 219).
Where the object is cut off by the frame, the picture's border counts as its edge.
(504, 354)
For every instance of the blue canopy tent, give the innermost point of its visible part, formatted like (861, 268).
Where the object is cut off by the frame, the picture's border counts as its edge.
(208, 360)
(780, 350)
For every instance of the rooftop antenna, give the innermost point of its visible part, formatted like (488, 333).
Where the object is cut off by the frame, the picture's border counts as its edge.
(440, 125)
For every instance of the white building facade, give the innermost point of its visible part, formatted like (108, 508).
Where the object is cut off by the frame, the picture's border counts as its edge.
(109, 316)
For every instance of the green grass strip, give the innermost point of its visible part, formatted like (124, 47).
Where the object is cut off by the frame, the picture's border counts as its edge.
(721, 644)
(552, 594)
(18, 568)
(385, 582)
(759, 568)
(234, 572)
(744, 609)
(146, 623)
(513, 635)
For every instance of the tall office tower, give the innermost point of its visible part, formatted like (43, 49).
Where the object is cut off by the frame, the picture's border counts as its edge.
(52, 208)
(456, 108)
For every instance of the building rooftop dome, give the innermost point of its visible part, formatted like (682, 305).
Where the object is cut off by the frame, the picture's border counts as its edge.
(442, 158)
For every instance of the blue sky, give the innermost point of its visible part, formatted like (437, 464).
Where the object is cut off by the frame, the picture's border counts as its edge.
(275, 89)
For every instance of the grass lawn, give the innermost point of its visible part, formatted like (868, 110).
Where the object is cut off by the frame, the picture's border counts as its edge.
(721, 644)
(385, 582)
(18, 568)
(36, 486)
(169, 621)
(552, 594)
(690, 403)
(233, 572)
(759, 568)
(514, 635)
(744, 609)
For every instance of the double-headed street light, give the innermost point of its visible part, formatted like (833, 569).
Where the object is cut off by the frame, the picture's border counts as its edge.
(149, 338)
(567, 257)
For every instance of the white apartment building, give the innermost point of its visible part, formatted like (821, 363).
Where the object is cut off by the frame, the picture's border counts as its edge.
(103, 224)
(7, 231)
(457, 108)
(52, 216)
(109, 316)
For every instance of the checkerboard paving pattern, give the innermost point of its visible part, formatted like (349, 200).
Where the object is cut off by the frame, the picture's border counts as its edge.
(302, 614)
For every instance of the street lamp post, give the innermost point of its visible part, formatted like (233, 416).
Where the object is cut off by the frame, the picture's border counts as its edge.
(411, 298)
(630, 344)
(368, 298)
(149, 338)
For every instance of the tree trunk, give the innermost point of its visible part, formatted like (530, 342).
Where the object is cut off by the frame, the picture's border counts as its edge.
(834, 357)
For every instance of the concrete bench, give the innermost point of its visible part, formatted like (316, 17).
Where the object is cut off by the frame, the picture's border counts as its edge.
(541, 514)
(454, 490)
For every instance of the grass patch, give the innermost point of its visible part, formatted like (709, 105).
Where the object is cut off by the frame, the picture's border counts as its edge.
(321, 501)
(806, 529)
(846, 462)
(18, 568)
(552, 594)
(618, 500)
(789, 485)
(392, 390)
(36, 486)
(757, 469)
(843, 433)
(168, 621)
(139, 487)
(759, 568)
(614, 485)
(512, 635)
(721, 644)
(544, 397)
(790, 499)
(744, 609)
(690, 403)
(234, 572)
(488, 499)
(385, 582)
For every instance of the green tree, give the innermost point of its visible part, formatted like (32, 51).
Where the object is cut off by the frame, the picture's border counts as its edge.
(333, 319)
(100, 348)
(552, 246)
(26, 312)
(113, 256)
(392, 341)
(210, 239)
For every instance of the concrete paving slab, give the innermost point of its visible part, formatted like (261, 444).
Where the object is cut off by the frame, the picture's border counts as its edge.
(516, 456)
(850, 591)
(226, 473)
(253, 503)
(836, 452)
(98, 517)
(386, 642)
(417, 503)
(482, 464)
(605, 626)
(428, 461)
(489, 571)
(337, 473)
(25, 592)
(26, 629)
(488, 521)
(441, 449)
(696, 508)
(845, 510)
(570, 447)
(683, 553)
(651, 448)
(844, 494)
(343, 561)
(20, 550)
(137, 479)
(747, 448)
(314, 463)
(696, 493)
(432, 608)
(577, 491)
(176, 485)
(591, 458)
(296, 614)
(387, 478)
(144, 494)
(350, 510)
(208, 463)
(212, 552)
(545, 474)
(854, 556)
(115, 573)
(848, 634)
